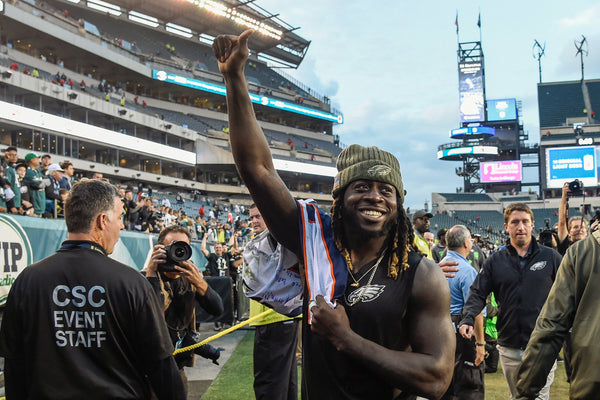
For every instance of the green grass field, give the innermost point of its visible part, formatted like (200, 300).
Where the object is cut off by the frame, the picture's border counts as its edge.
(235, 380)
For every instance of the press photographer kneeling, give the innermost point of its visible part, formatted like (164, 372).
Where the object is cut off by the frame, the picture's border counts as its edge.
(179, 284)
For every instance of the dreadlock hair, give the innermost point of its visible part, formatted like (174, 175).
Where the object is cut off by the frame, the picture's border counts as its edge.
(400, 237)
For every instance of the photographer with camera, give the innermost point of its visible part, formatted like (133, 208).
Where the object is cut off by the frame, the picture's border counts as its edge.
(570, 230)
(179, 284)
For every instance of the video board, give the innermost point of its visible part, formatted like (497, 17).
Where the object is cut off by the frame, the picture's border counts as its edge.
(501, 171)
(502, 110)
(564, 164)
(470, 89)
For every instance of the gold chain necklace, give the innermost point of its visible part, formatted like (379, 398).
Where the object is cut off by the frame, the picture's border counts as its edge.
(349, 266)
(364, 288)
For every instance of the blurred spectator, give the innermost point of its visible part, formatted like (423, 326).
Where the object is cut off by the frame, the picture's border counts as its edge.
(421, 225)
(14, 66)
(438, 251)
(82, 85)
(35, 73)
(98, 175)
(26, 200)
(144, 215)
(67, 180)
(55, 174)
(131, 209)
(430, 238)
(60, 210)
(168, 218)
(220, 263)
(45, 162)
(8, 175)
(36, 184)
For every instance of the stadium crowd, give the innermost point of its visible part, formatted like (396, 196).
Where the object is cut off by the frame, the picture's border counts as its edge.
(489, 325)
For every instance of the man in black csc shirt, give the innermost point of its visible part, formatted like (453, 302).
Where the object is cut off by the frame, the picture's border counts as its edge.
(78, 324)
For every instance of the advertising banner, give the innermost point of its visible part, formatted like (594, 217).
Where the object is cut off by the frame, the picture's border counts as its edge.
(26, 240)
(501, 171)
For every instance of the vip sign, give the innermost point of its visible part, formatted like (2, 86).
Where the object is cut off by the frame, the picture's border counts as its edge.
(15, 253)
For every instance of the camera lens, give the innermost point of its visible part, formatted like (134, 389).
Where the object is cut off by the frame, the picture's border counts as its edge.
(178, 251)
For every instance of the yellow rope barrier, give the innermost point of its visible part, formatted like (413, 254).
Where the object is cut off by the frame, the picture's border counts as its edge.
(222, 333)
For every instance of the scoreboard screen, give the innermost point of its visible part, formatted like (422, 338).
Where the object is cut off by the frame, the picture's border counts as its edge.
(470, 89)
(564, 164)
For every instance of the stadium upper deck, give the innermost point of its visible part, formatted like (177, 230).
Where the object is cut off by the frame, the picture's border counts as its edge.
(166, 133)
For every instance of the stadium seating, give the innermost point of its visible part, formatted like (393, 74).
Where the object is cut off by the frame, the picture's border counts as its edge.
(555, 101)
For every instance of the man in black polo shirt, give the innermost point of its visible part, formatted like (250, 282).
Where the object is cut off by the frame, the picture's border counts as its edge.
(81, 325)
(520, 276)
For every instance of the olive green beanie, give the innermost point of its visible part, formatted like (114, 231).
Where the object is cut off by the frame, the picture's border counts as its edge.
(357, 162)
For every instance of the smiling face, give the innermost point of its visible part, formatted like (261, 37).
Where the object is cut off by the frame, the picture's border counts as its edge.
(370, 207)
(219, 249)
(519, 227)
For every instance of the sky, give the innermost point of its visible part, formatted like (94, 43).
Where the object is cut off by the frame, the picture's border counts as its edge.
(391, 68)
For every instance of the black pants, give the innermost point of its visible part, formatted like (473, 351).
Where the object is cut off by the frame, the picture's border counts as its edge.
(467, 380)
(491, 355)
(275, 369)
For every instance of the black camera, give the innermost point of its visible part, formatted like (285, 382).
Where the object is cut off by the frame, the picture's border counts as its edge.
(177, 252)
(206, 350)
(576, 187)
(595, 218)
(547, 234)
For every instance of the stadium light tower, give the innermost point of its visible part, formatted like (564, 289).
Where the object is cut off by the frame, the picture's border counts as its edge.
(581, 51)
(538, 53)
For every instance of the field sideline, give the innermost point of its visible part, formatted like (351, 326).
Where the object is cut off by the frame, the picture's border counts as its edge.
(235, 380)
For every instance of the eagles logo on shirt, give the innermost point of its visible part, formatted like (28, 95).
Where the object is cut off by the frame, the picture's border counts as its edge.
(538, 266)
(368, 293)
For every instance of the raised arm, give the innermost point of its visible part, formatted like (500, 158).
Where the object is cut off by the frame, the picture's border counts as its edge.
(203, 245)
(563, 229)
(249, 146)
